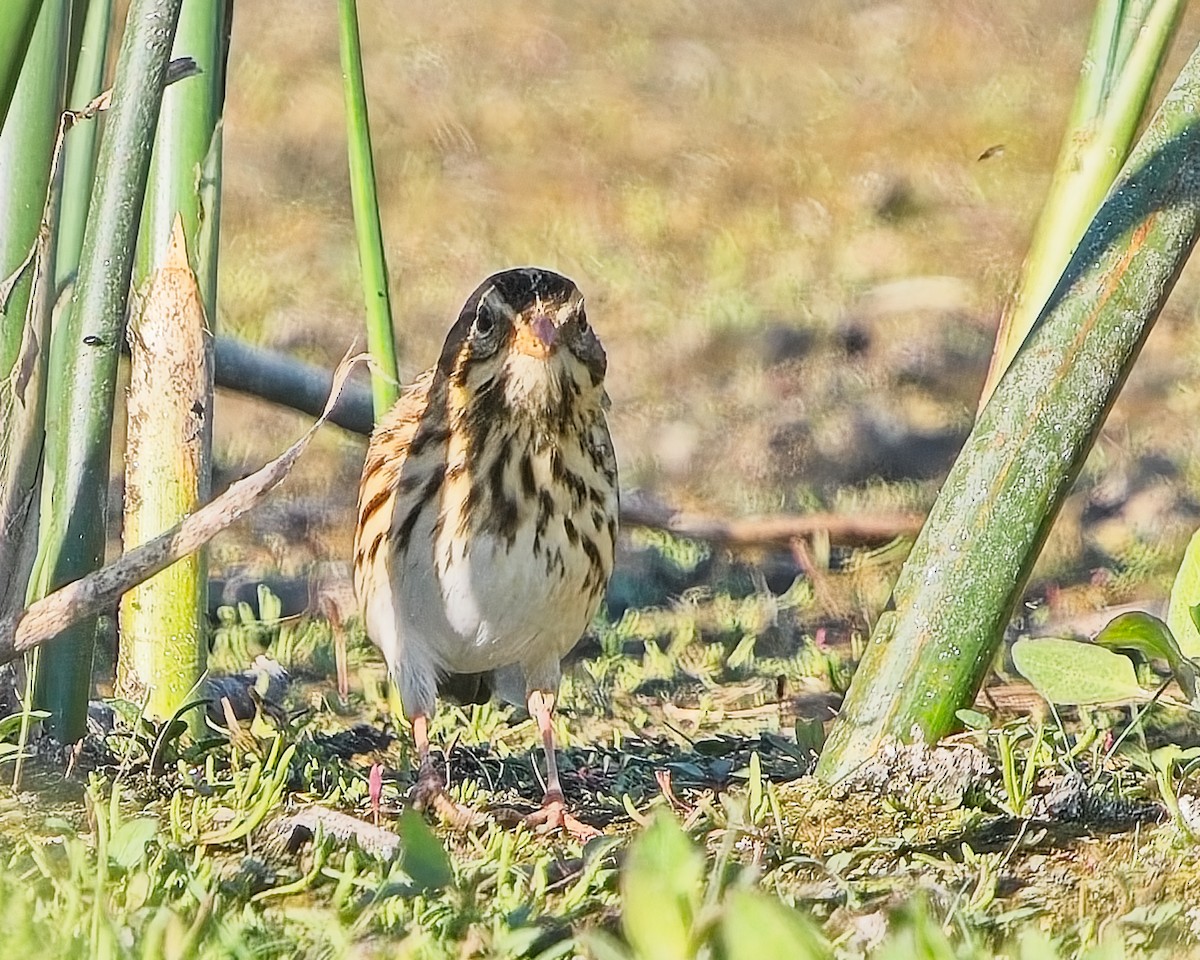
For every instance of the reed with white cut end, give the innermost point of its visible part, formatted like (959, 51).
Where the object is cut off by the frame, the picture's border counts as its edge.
(163, 643)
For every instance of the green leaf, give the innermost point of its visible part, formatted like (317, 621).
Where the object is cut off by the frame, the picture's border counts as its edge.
(11, 724)
(810, 736)
(602, 945)
(1185, 594)
(660, 890)
(1152, 637)
(270, 607)
(128, 843)
(1112, 948)
(757, 926)
(1035, 945)
(973, 719)
(755, 783)
(425, 859)
(1065, 671)
(1142, 632)
(916, 935)
(1165, 758)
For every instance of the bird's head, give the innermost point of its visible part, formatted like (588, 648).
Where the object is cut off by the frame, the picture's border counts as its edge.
(523, 337)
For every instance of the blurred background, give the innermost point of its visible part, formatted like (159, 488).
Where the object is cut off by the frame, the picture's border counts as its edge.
(795, 226)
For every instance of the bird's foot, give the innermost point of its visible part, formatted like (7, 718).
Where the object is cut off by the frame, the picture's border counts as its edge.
(429, 793)
(553, 816)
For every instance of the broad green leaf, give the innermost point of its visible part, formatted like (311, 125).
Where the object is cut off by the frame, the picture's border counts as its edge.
(1185, 594)
(11, 724)
(1152, 637)
(810, 736)
(1035, 945)
(1112, 948)
(1165, 758)
(757, 926)
(128, 844)
(602, 945)
(425, 859)
(1140, 631)
(916, 935)
(973, 719)
(1069, 672)
(660, 890)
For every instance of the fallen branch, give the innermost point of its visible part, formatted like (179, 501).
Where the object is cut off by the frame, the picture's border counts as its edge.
(771, 529)
(101, 589)
(291, 383)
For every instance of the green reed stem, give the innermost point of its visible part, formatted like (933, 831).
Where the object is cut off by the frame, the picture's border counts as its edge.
(381, 339)
(75, 492)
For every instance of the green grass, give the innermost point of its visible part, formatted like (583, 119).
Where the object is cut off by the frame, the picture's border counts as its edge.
(785, 165)
(154, 847)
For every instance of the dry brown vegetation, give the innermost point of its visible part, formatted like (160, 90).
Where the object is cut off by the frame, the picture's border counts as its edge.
(782, 215)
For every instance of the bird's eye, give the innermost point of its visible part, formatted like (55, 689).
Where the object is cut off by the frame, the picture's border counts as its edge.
(484, 337)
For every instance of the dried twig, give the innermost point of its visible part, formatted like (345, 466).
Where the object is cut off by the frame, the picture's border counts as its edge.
(773, 528)
(100, 590)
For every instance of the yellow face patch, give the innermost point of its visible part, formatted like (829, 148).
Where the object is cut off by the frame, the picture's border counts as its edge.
(537, 338)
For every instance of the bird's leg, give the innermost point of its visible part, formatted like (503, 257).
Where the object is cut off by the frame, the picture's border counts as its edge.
(430, 783)
(554, 814)
(430, 789)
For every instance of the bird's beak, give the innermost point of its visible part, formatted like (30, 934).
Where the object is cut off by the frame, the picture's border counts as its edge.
(537, 338)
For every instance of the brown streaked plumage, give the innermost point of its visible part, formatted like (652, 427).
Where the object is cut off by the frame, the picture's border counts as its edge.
(488, 511)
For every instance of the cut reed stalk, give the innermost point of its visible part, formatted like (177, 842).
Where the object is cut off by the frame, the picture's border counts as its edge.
(1125, 51)
(168, 464)
(966, 572)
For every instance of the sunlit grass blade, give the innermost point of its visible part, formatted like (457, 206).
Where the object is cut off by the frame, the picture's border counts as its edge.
(1127, 45)
(168, 464)
(380, 336)
(968, 568)
(75, 492)
(17, 18)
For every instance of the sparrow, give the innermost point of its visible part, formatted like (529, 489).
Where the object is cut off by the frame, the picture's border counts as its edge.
(487, 514)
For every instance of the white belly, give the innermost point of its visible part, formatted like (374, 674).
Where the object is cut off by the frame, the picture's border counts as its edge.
(485, 610)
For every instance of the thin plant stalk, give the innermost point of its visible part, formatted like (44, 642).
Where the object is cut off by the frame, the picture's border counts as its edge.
(26, 148)
(956, 592)
(28, 206)
(381, 341)
(26, 154)
(168, 464)
(1125, 51)
(78, 164)
(79, 149)
(75, 491)
(17, 19)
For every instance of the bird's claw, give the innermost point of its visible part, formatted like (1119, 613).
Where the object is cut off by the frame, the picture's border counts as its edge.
(429, 793)
(554, 816)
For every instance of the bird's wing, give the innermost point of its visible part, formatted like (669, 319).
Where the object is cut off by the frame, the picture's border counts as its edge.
(395, 441)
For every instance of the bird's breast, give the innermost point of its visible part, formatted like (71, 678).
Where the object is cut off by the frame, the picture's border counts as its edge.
(524, 543)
